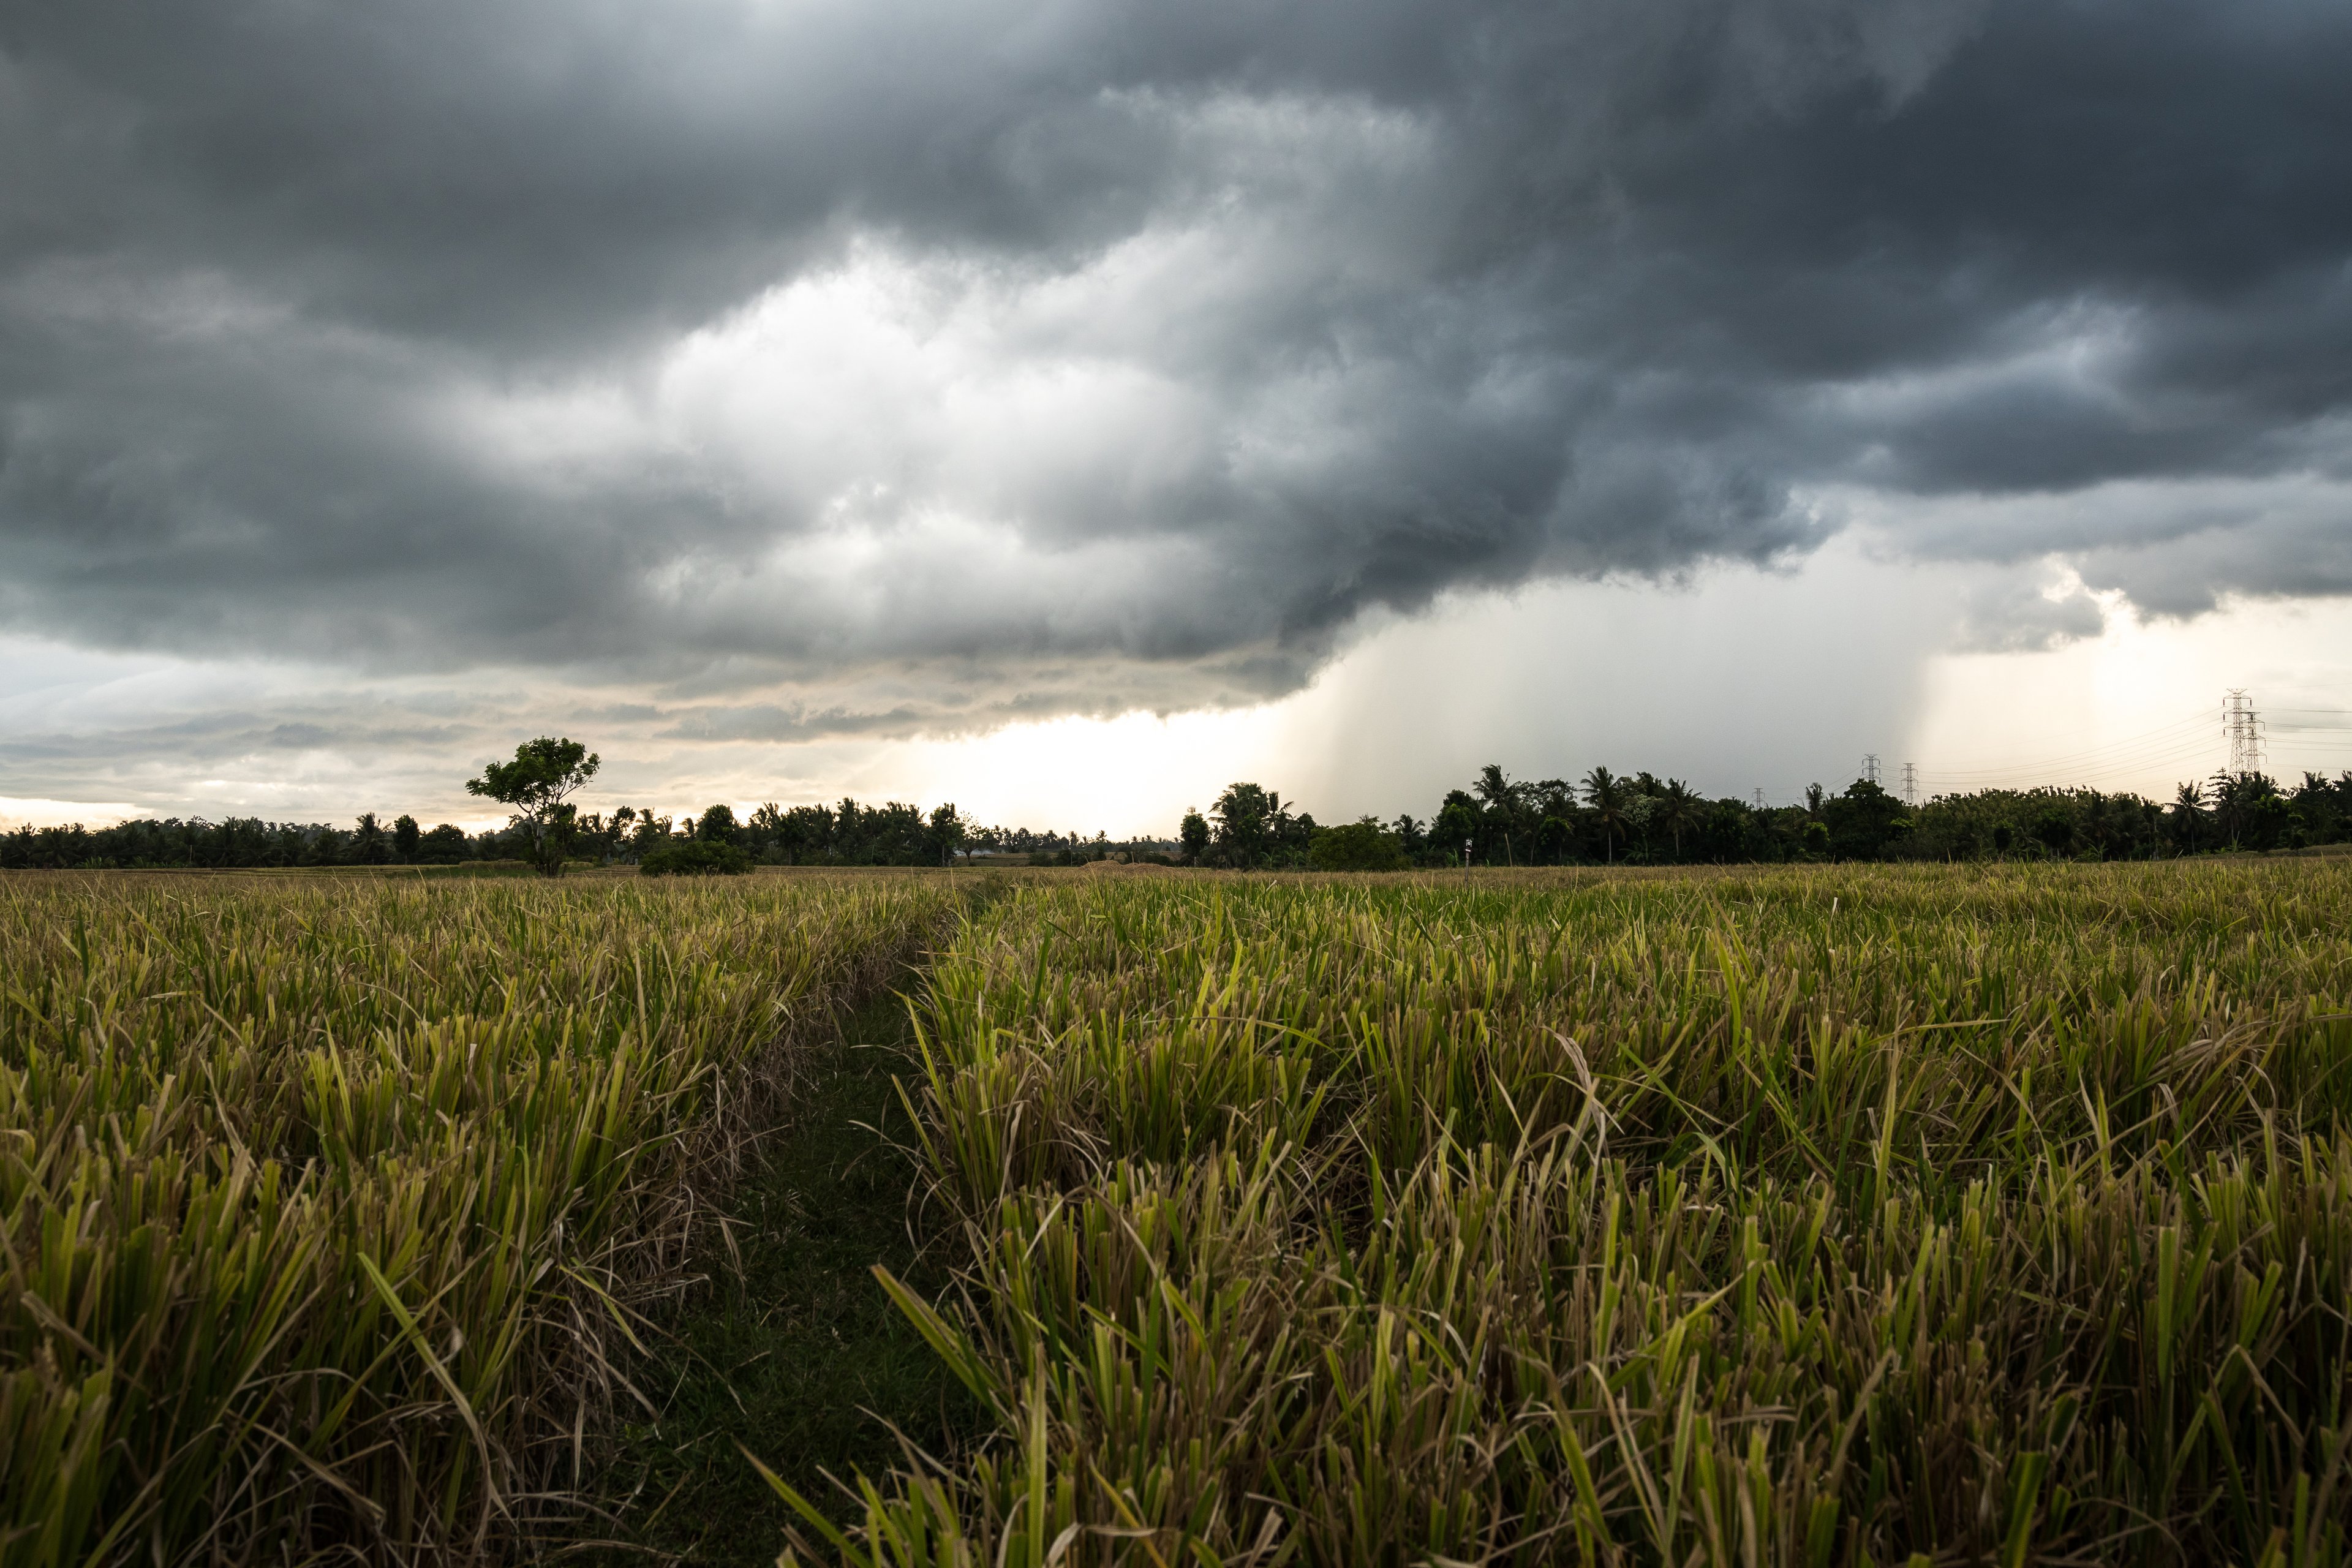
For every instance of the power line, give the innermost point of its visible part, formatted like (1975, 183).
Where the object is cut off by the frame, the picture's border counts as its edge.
(2170, 737)
(2192, 763)
(2103, 752)
(2193, 753)
(2170, 743)
(2184, 740)
(2098, 762)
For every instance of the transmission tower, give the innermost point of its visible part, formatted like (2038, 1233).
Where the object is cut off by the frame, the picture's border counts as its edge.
(2245, 728)
(1759, 797)
(1910, 784)
(1870, 766)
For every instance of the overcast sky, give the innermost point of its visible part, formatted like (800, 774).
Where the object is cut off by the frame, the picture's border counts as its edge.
(1058, 405)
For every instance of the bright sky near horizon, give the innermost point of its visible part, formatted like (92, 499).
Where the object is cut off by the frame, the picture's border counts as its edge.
(1069, 409)
(1747, 681)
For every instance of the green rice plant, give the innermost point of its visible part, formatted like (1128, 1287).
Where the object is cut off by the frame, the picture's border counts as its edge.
(326, 1205)
(1815, 1215)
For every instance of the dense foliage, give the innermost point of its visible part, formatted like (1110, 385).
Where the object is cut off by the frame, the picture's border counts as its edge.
(1606, 818)
(248, 842)
(694, 858)
(1810, 1216)
(1642, 819)
(849, 834)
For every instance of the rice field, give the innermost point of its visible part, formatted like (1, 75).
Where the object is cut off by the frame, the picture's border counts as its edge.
(325, 1206)
(1829, 1215)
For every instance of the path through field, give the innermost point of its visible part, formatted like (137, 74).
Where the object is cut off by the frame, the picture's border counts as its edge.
(791, 1351)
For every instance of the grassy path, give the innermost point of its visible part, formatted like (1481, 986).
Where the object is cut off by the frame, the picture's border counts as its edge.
(799, 1357)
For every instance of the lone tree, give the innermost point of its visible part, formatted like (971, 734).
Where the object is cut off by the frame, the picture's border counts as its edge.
(1194, 833)
(1249, 819)
(950, 833)
(535, 783)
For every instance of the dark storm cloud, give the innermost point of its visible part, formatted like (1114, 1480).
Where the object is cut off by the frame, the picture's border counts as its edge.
(994, 359)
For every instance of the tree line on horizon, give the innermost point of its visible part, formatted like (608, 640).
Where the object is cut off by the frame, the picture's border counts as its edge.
(1608, 818)
(547, 831)
(1605, 818)
(846, 834)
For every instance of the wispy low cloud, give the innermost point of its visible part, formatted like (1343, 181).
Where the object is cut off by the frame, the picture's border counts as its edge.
(2027, 612)
(833, 370)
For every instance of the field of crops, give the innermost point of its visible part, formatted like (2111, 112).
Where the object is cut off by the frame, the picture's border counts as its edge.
(1825, 1216)
(322, 1204)
(1802, 1216)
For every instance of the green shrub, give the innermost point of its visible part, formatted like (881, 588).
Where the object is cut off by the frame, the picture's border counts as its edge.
(1361, 846)
(694, 858)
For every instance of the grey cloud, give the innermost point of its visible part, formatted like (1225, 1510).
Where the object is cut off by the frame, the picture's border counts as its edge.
(401, 335)
(2013, 613)
(219, 733)
(766, 722)
(2293, 542)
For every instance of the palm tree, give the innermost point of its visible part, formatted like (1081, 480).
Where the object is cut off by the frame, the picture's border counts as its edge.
(1507, 801)
(2189, 802)
(1605, 793)
(2228, 794)
(1677, 809)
